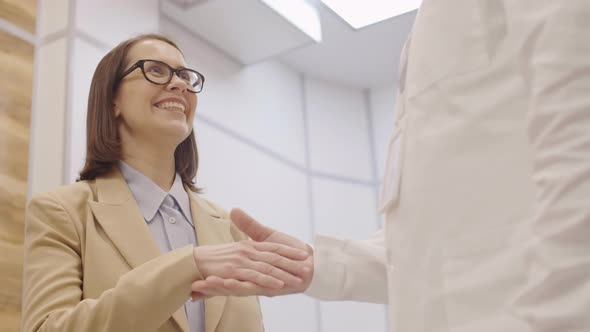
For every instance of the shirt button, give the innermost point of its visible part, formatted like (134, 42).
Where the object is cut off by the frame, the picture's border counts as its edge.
(172, 220)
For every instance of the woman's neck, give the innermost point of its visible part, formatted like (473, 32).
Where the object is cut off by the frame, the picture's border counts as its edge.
(156, 164)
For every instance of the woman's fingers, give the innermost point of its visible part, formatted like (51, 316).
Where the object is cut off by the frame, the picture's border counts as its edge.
(276, 272)
(278, 266)
(206, 286)
(281, 249)
(214, 286)
(264, 279)
(244, 288)
(215, 282)
(269, 259)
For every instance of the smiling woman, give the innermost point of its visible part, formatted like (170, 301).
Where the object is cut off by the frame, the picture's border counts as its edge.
(119, 249)
(122, 123)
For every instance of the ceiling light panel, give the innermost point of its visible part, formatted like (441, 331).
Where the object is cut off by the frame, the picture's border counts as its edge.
(366, 12)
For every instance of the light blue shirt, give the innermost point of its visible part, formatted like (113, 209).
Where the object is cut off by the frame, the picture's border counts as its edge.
(168, 216)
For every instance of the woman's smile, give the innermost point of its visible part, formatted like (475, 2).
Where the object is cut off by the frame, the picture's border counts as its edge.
(172, 104)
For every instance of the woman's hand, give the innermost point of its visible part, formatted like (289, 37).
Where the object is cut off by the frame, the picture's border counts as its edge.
(268, 265)
(215, 285)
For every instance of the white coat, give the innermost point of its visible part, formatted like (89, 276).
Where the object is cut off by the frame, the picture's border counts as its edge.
(486, 192)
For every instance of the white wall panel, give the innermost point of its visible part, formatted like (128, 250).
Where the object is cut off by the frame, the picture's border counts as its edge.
(260, 102)
(47, 138)
(344, 209)
(347, 211)
(382, 101)
(53, 16)
(236, 175)
(263, 103)
(112, 21)
(353, 317)
(293, 313)
(338, 130)
(85, 58)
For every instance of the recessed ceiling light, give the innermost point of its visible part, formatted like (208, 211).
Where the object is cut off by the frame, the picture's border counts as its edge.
(359, 13)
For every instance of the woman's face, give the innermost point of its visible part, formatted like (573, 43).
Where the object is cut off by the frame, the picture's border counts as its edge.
(156, 114)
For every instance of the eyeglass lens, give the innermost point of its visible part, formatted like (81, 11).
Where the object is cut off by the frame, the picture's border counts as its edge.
(160, 73)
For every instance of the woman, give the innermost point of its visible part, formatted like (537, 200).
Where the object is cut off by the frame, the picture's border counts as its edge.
(117, 251)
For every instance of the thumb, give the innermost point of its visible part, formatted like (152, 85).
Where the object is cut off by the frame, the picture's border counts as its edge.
(250, 226)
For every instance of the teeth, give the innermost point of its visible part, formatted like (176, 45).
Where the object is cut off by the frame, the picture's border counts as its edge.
(171, 105)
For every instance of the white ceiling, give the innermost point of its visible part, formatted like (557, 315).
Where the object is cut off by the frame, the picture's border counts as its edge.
(367, 57)
(248, 31)
(362, 58)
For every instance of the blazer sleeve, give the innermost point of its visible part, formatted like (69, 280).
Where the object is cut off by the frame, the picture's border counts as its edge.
(142, 300)
(556, 63)
(350, 269)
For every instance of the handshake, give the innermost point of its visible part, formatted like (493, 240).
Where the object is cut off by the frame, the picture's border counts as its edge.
(272, 263)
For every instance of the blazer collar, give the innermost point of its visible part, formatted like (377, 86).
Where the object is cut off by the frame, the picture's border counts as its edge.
(211, 229)
(118, 213)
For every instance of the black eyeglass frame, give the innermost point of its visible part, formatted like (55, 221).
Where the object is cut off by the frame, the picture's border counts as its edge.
(140, 63)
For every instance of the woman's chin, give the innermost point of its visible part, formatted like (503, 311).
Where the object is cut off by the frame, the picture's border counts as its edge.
(177, 131)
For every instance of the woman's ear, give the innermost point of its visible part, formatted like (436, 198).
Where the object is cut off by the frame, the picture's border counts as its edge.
(116, 110)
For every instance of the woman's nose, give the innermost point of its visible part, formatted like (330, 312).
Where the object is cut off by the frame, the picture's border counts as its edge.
(176, 83)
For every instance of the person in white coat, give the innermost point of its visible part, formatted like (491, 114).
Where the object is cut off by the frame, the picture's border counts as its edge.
(486, 193)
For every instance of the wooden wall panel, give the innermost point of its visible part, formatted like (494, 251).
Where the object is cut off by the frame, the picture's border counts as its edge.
(16, 77)
(21, 13)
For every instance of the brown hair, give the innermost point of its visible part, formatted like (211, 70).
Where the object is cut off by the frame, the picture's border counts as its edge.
(103, 146)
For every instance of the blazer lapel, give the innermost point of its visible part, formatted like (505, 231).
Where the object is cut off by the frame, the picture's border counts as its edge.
(119, 215)
(211, 229)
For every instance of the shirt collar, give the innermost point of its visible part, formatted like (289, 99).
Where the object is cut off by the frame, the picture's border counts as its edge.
(181, 196)
(149, 196)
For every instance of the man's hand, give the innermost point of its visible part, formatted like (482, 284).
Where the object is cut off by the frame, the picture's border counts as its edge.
(215, 285)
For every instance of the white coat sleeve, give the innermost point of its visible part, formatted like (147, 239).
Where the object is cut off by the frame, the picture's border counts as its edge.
(556, 68)
(350, 269)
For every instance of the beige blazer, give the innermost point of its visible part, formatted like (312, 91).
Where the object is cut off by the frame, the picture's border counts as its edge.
(486, 192)
(91, 264)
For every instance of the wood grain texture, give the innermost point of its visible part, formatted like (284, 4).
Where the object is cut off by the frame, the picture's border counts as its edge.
(16, 77)
(21, 13)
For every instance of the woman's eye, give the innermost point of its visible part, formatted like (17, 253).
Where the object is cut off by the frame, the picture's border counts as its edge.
(185, 76)
(155, 70)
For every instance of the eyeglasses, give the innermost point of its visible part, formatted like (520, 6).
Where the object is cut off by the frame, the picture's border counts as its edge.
(160, 73)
